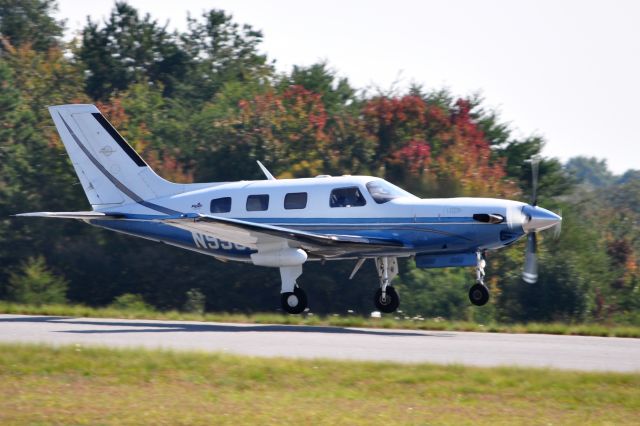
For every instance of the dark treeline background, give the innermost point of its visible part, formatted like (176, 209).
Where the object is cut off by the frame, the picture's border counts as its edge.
(204, 104)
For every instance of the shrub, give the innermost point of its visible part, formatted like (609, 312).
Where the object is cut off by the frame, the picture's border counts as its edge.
(195, 301)
(130, 302)
(35, 284)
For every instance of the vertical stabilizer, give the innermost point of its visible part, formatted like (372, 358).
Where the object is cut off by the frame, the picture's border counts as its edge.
(112, 174)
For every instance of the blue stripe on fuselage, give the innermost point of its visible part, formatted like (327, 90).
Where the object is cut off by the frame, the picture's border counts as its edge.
(425, 235)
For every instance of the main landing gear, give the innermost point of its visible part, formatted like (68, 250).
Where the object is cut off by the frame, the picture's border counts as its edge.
(479, 293)
(386, 298)
(292, 297)
(294, 302)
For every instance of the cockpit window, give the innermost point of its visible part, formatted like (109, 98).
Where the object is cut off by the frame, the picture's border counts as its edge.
(347, 197)
(382, 191)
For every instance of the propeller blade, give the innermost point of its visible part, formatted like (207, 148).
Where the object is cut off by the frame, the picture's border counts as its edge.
(535, 161)
(530, 273)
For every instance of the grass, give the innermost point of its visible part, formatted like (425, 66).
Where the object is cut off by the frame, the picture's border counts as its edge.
(78, 385)
(387, 321)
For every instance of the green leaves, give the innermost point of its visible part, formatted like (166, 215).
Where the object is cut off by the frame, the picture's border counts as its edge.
(29, 22)
(193, 65)
(35, 284)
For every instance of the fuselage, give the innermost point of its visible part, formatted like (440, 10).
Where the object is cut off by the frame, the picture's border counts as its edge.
(361, 206)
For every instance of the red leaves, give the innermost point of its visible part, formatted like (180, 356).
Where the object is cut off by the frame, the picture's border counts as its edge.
(410, 137)
(416, 155)
(414, 134)
(384, 111)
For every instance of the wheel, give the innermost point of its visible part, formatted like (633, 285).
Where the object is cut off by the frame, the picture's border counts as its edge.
(294, 303)
(390, 303)
(479, 294)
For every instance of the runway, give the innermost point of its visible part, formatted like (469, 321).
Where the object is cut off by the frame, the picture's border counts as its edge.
(407, 346)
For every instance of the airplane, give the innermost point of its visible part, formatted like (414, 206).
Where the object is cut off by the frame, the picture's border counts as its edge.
(284, 223)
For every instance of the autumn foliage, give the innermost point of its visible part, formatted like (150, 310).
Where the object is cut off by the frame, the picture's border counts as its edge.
(444, 149)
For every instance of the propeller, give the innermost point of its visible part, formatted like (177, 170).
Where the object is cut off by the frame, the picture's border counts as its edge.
(530, 272)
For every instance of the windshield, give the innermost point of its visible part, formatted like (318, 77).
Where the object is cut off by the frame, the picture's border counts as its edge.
(382, 191)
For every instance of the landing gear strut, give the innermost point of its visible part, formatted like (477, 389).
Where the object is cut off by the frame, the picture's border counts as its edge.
(479, 293)
(386, 298)
(292, 297)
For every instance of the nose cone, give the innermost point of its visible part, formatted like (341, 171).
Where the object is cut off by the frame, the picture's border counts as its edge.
(538, 219)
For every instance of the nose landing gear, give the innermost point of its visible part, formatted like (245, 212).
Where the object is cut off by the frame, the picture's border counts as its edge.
(479, 293)
(387, 302)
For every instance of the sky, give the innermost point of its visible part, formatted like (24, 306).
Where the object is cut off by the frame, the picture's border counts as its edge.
(568, 71)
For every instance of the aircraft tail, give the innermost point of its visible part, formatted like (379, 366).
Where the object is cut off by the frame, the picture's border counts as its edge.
(112, 174)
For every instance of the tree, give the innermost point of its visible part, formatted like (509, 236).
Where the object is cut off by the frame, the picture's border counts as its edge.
(29, 22)
(130, 49)
(590, 171)
(336, 93)
(27, 143)
(287, 131)
(433, 149)
(36, 284)
(223, 51)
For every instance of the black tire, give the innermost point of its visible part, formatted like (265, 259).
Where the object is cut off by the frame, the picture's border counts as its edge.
(479, 294)
(294, 303)
(390, 303)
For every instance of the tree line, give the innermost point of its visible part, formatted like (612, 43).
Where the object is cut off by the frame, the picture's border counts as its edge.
(203, 104)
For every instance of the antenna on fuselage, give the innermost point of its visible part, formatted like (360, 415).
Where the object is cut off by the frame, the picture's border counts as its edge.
(266, 172)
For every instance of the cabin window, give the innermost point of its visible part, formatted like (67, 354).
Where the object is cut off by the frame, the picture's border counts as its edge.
(382, 191)
(295, 200)
(256, 203)
(347, 197)
(221, 205)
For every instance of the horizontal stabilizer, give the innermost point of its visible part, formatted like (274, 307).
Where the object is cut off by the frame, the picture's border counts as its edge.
(72, 215)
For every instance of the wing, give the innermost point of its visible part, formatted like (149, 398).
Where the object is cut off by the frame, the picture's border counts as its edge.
(258, 235)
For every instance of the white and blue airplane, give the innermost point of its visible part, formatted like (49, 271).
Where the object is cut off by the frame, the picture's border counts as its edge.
(284, 223)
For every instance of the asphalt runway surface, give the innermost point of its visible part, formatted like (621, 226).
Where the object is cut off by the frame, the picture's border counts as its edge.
(407, 346)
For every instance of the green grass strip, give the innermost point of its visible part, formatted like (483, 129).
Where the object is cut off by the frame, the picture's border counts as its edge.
(88, 385)
(387, 321)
